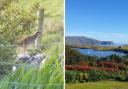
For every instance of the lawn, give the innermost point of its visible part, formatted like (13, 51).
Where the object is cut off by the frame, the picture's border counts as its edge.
(98, 85)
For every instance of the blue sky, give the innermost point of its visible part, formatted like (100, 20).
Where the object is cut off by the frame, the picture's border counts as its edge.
(99, 19)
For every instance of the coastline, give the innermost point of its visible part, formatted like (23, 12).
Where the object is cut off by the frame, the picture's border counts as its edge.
(123, 49)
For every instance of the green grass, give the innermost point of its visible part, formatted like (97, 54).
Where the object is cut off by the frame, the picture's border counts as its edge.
(55, 42)
(50, 76)
(99, 85)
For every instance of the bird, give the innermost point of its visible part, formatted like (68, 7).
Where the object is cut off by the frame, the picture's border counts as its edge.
(30, 40)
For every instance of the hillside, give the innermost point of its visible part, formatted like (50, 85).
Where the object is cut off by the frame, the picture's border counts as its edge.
(82, 40)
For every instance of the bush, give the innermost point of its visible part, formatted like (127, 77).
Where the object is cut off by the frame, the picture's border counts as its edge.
(4, 70)
(75, 77)
(7, 58)
(92, 76)
(120, 78)
(7, 53)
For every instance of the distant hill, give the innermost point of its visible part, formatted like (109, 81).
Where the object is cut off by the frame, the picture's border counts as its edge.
(82, 40)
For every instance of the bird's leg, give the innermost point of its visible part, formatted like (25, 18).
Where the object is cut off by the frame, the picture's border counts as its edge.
(25, 48)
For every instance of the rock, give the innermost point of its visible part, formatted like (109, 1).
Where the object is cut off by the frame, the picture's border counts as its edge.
(34, 60)
(23, 57)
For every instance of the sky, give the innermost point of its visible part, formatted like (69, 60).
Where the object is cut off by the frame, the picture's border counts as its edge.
(99, 19)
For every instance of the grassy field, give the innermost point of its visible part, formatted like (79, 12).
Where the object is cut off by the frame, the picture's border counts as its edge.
(99, 85)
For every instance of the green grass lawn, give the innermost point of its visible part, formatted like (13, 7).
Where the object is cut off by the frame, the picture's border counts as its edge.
(98, 85)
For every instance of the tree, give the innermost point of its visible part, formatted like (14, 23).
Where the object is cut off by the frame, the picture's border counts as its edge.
(15, 21)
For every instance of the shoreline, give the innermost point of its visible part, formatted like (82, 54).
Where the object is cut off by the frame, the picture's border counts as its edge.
(123, 49)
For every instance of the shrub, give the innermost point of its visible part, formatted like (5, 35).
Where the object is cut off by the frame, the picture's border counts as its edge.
(120, 78)
(76, 77)
(7, 55)
(122, 66)
(77, 67)
(92, 76)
